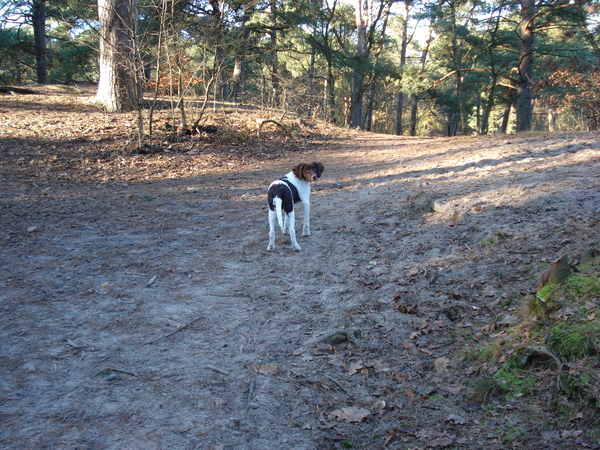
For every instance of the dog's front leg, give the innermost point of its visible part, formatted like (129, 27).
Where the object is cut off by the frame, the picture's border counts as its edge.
(306, 226)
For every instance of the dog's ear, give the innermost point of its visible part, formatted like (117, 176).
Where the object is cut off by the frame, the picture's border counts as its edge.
(318, 168)
(298, 170)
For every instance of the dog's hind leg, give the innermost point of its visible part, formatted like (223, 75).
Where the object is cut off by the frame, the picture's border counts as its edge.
(286, 223)
(291, 228)
(306, 224)
(272, 225)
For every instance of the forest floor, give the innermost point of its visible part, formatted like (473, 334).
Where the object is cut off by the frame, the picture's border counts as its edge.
(141, 310)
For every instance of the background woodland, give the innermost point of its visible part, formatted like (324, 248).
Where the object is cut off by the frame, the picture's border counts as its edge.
(399, 67)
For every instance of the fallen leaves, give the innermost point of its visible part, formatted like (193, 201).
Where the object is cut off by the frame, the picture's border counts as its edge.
(351, 415)
(455, 419)
(508, 320)
(440, 365)
(442, 442)
(354, 368)
(265, 369)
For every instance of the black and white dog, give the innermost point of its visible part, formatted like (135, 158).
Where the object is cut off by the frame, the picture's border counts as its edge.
(284, 193)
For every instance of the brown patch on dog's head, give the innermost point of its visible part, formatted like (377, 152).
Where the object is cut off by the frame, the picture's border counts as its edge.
(308, 171)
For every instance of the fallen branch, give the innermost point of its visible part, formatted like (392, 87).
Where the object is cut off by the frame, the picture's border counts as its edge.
(262, 122)
(182, 327)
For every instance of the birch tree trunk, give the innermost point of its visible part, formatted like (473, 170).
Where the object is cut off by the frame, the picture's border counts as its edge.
(118, 29)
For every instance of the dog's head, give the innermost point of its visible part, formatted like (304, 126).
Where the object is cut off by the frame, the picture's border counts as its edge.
(308, 171)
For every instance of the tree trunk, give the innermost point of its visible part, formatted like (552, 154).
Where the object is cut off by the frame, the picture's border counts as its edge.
(524, 106)
(329, 100)
(275, 85)
(403, 46)
(356, 104)
(370, 108)
(311, 82)
(488, 106)
(415, 98)
(239, 66)
(118, 29)
(505, 117)
(38, 11)
(551, 119)
(457, 66)
(414, 108)
(219, 61)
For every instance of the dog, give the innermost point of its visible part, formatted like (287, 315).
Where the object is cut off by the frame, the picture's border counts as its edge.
(284, 193)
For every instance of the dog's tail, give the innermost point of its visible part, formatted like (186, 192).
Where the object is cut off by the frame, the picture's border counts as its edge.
(277, 202)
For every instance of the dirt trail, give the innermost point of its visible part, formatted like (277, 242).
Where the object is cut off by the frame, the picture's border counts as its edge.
(149, 314)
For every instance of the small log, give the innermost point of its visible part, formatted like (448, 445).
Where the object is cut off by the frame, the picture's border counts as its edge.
(16, 90)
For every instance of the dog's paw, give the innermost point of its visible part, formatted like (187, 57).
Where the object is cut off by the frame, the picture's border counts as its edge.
(297, 248)
(306, 233)
(271, 247)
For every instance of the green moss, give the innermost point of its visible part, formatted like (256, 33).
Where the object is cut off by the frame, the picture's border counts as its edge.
(545, 291)
(516, 381)
(575, 339)
(517, 431)
(582, 287)
(486, 388)
(436, 398)
(560, 320)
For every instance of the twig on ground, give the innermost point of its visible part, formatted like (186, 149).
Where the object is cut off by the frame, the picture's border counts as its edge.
(118, 371)
(74, 345)
(182, 327)
(339, 385)
(250, 392)
(216, 369)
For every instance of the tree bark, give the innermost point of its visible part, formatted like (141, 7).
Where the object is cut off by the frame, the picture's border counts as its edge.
(458, 66)
(38, 11)
(275, 85)
(356, 104)
(311, 82)
(118, 29)
(403, 46)
(524, 111)
(239, 66)
(329, 96)
(415, 98)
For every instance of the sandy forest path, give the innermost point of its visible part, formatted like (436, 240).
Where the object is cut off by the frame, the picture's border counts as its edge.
(148, 314)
